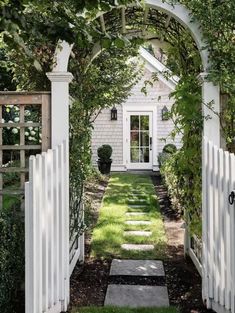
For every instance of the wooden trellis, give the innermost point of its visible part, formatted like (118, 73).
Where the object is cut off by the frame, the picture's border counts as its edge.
(14, 106)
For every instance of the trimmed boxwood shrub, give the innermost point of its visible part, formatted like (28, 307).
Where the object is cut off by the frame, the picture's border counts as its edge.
(166, 153)
(169, 148)
(104, 153)
(11, 261)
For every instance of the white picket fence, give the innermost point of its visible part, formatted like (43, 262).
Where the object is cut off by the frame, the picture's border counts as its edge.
(48, 264)
(218, 260)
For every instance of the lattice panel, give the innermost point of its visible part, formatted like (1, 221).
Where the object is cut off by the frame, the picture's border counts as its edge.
(24, 131)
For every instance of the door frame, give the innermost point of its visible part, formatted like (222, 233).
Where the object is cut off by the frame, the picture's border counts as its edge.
(140, 108)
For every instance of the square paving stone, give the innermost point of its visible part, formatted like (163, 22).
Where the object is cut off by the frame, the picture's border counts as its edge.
(137, 233)
(136, 214)
(137, 268)
(138, 223)
(137, 247)
(134, 201)
(136, 296)
(137, 206)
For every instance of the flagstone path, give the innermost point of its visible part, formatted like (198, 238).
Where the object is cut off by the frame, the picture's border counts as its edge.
(136, 295)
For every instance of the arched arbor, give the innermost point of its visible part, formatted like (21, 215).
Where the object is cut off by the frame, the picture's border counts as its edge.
(60, 79)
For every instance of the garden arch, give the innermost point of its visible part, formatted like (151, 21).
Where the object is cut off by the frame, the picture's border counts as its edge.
(60, 79)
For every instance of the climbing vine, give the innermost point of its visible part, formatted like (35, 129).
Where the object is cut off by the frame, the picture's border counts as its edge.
(31, 41)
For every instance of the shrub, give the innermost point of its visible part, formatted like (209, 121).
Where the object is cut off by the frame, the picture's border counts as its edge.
(166, 153)
(104, 153)
(162, 157)
(184, 187)
(11, 260)
(169, 148)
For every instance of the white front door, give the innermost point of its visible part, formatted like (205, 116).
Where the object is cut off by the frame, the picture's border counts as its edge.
(139, 140)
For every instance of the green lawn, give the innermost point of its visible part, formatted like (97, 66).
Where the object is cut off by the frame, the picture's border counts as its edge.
(108, 235)
(124, 310)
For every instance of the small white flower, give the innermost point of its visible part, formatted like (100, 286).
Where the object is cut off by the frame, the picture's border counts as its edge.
(3, 121)
(30, 128)
(40, 135)
(14, 131)
(26, 134)
(16, 119)
(40, 141)
(10, 122)
(32, 133)
(30, 138)
(27, 113)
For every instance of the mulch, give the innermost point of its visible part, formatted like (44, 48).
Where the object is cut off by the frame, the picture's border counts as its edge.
(89, 281)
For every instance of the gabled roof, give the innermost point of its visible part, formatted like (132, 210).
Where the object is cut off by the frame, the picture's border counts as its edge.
(153, 65)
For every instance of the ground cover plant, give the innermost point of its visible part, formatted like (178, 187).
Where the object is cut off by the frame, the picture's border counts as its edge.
(125, 310)
(108, 235)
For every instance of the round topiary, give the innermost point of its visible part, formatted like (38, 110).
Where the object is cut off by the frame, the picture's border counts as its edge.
(104, 152)
(169, 148)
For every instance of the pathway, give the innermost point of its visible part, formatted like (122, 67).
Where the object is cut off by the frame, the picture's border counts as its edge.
(134, 291)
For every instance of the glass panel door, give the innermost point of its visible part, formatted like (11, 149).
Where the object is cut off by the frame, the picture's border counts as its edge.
(140, 139)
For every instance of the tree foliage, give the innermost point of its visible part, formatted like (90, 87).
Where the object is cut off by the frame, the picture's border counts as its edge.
(106, 83)
(31, 30)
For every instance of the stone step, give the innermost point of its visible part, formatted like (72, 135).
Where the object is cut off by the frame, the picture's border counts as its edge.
(136, 214)
(130, 201)
(138, 223)
(135, 296)
(138, 233)
(147, 268)
(136, 247)
(136, 206)
(137, 194)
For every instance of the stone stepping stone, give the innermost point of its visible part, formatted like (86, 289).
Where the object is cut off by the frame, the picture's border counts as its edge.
(135, 296)
(147, 268)
(138, 233)
(138, 222)
(136, 206)
(138, 194)
(136, 247)
(136, 214)
(137, 200)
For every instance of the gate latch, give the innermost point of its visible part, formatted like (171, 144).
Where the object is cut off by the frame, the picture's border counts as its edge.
(231, 198)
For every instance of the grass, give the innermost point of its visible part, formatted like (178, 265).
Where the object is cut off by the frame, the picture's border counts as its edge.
(124, 310)
(108, 235)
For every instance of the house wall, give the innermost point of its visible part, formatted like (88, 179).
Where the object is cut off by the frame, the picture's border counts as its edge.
(108, 132)
(111, 132)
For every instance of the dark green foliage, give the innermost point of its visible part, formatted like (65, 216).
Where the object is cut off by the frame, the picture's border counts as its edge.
(169, 148)
(104, 153)
(162, 157)
(6, 75)
(182, 170)
(11, 260)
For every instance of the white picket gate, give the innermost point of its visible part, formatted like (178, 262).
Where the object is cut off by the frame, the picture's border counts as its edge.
(218, 260)
(47, 232)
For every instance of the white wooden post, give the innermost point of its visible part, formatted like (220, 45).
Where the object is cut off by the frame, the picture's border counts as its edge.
(210, 95)
(211, 131)
(59, 106)
(60, 134)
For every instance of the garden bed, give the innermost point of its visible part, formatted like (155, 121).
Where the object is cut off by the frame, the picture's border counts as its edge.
(89, 282)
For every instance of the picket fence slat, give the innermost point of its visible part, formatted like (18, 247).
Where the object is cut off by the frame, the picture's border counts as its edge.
(221, 227)
(218, 229)
(232, 225)
(46, 230)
